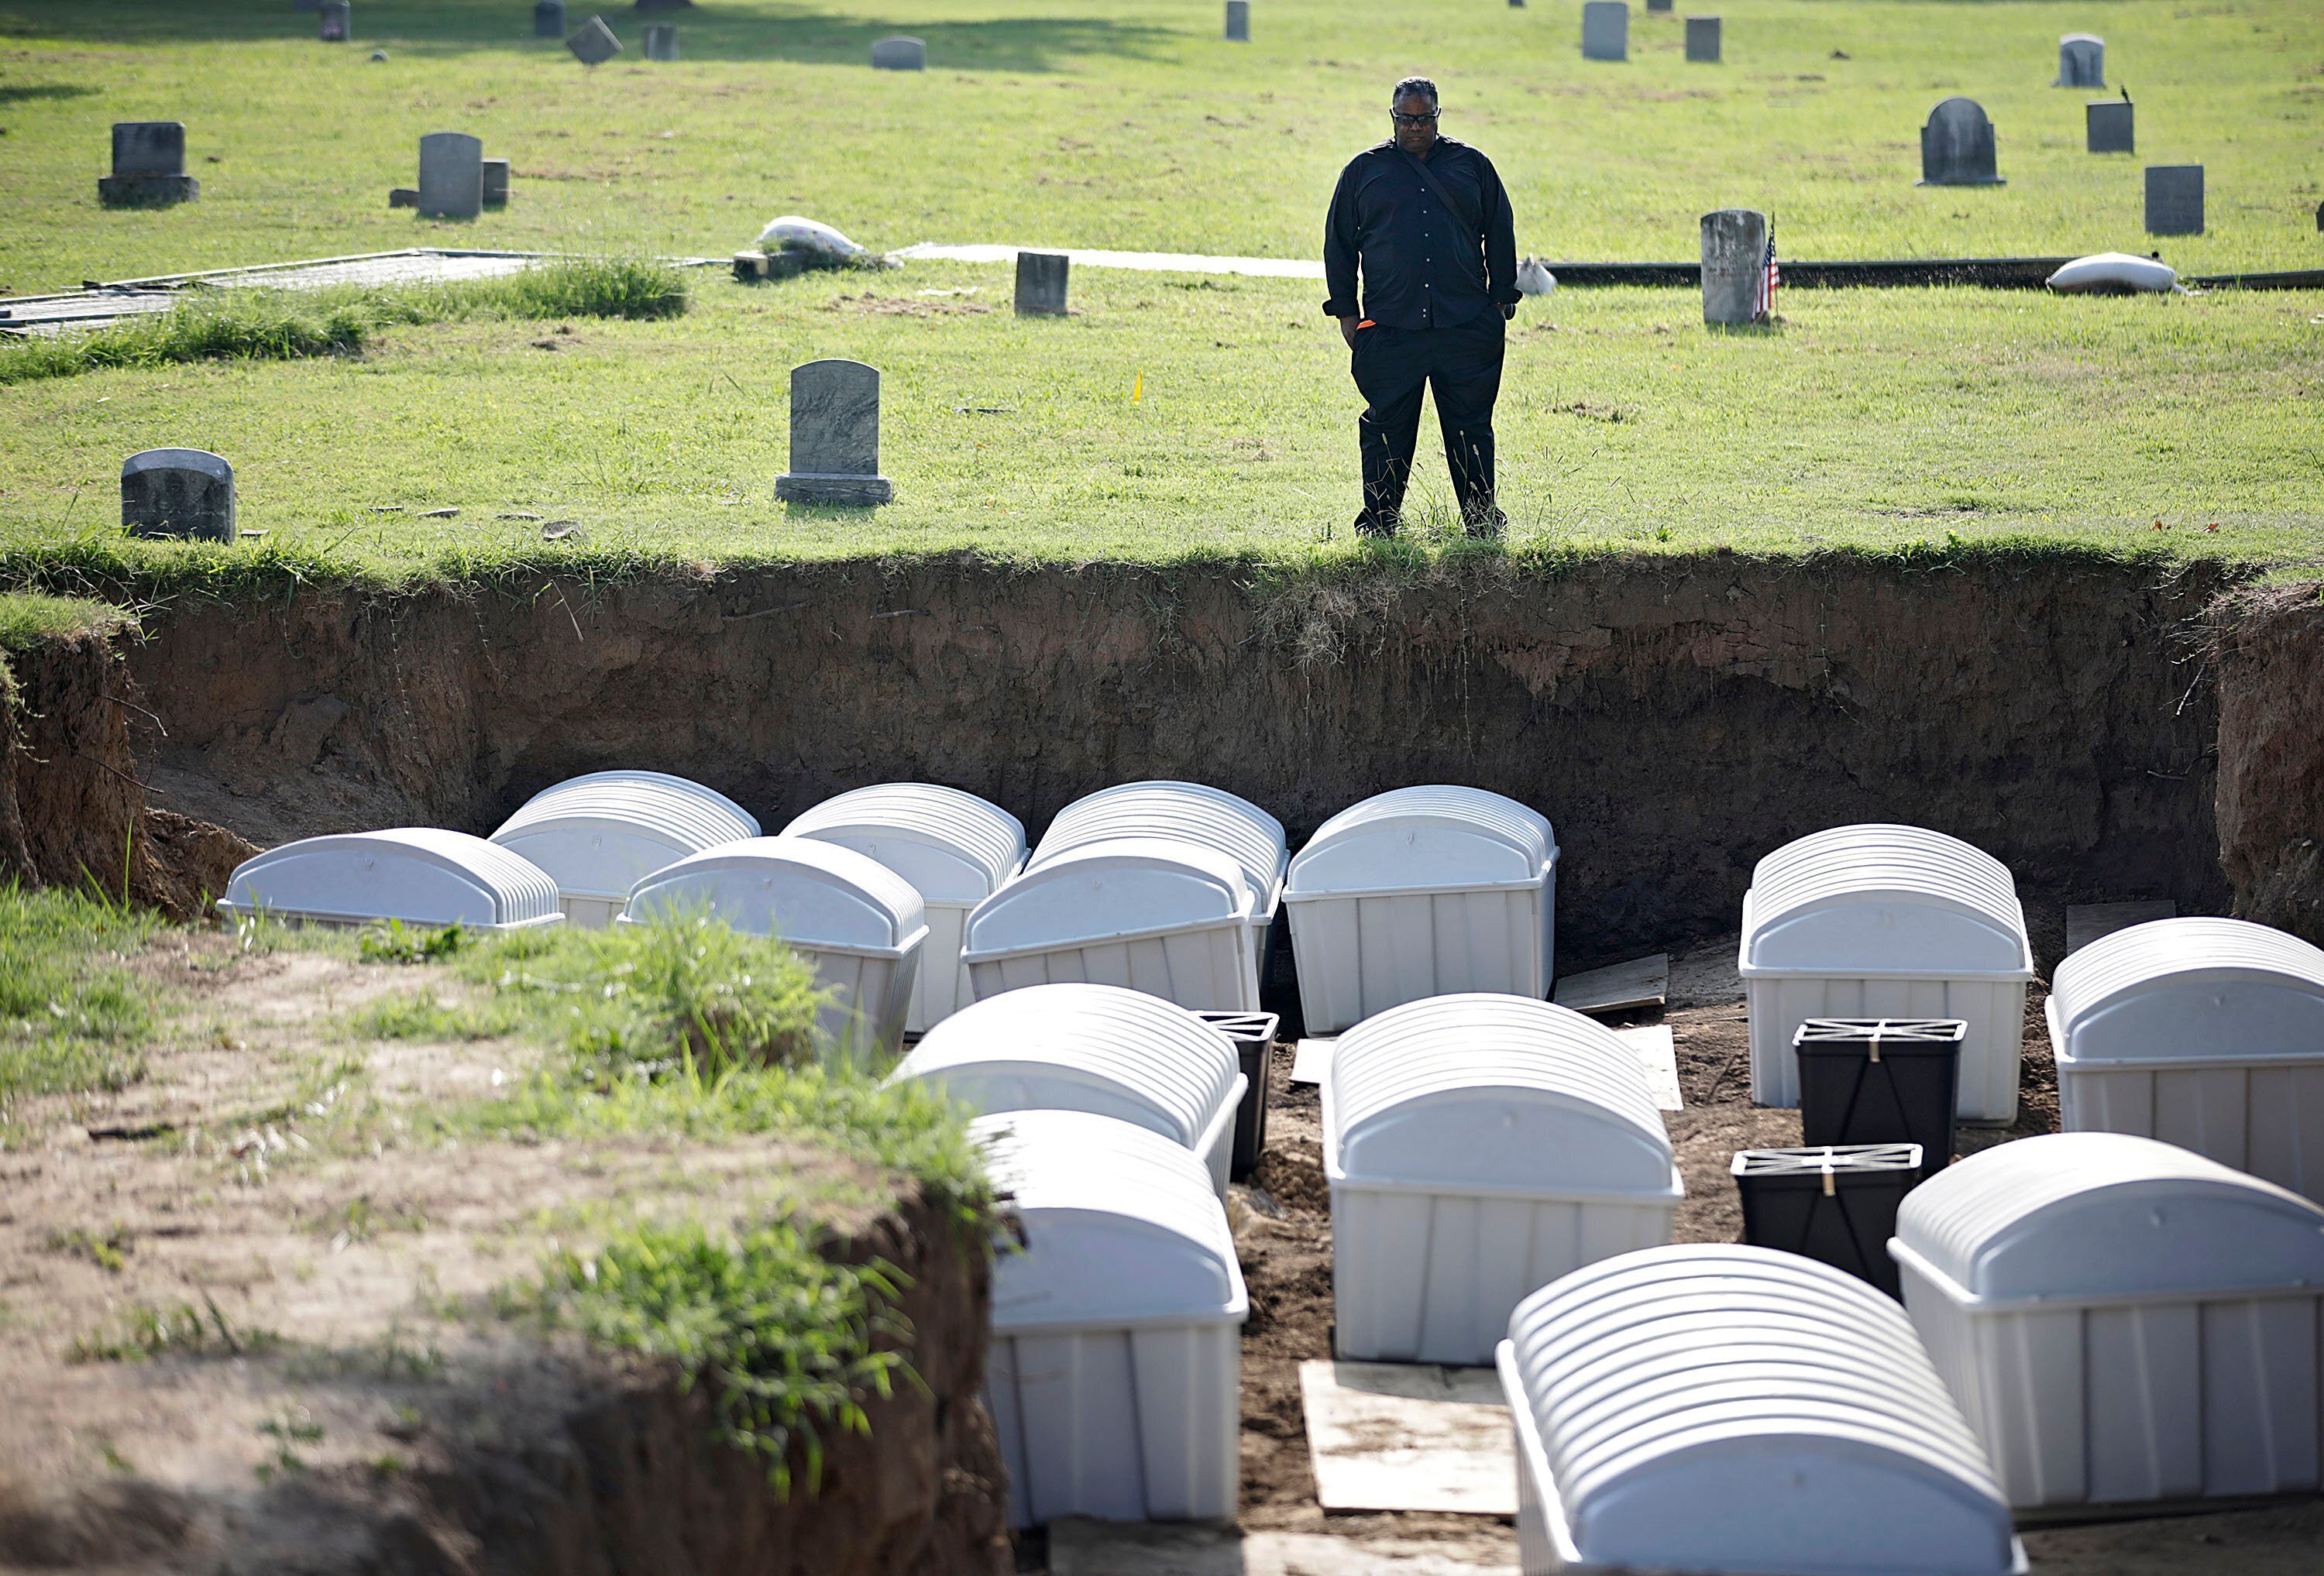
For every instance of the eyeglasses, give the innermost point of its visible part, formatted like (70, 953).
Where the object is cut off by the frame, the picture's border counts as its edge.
(1403, 119)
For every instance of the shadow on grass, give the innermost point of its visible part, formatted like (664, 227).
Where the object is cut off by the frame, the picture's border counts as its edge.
(19, 92)
(714, 31)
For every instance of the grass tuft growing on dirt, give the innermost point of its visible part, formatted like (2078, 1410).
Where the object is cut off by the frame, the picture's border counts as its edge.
(291, 325)
(71, 1016)
(29, 618)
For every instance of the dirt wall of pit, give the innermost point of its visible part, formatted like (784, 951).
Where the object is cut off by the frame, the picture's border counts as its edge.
(2271, 680)
(1675, 719)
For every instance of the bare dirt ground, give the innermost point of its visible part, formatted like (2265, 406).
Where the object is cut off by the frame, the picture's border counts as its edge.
(1285, 1243)
(245, 1325)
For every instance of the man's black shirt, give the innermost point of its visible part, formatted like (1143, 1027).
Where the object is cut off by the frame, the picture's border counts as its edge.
(1423, 267)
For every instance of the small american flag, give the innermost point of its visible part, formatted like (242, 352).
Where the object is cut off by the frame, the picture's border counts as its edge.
(1770, 276)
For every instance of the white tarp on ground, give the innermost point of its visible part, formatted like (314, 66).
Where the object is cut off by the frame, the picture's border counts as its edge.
(1150, 261)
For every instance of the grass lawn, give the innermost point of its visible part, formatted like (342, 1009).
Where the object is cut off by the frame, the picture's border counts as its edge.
(1874, 419)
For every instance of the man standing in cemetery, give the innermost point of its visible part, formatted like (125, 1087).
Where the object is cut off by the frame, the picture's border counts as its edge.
(1427, 221)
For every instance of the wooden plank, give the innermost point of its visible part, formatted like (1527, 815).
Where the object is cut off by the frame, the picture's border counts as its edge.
(1658, 1049)
(1395, 1437)
(1079, 1547)
(1640, 983)
(1310, 1057)
(2087, 922)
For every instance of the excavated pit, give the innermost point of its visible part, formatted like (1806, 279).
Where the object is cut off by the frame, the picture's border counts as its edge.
(1676, 720)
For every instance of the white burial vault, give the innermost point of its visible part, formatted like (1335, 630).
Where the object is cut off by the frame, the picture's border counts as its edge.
(417, 875)
(600, 835)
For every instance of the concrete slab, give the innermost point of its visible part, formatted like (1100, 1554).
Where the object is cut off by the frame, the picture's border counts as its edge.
(1658, 1049)
(2087, 922)
(1395, 1437)
(1100, 1548)
(1640, 983)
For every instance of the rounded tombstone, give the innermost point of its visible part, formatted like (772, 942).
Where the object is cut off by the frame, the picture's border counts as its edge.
(178, 492)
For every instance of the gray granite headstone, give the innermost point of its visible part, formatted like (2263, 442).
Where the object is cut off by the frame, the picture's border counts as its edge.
(2174, 199)
(451, 176)
(594, 43)
(900, 54)
(1734, 255)
(549, 19)
(1238, 21)
(661, 40)
(178, 492)
(1661, 5)
(1703, 39)
(1606, 30)
(337, 22)
(2081, 60)
(835, 435)
(148, 166)
(2111, 126)
(496, 183)
(1957, 146)
(1041, 284)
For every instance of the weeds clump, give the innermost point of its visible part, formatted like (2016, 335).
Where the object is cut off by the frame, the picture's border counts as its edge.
(147, 1330)
(72, 1017)
(288, 325)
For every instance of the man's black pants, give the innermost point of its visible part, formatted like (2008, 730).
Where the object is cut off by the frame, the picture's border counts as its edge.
(1463, 366)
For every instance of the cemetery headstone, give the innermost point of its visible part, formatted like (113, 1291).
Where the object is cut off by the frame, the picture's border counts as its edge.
(594, 43)
(1957, 146)
(403, 197)
(1660, 5)
(451, 176)
(178, 492)
(1516, 4)
(1734, 258)
(2319, 219)
(1606, 30)
(1703, 39)
(338, 21)
(661, 40)
(835, 435)
(2110, 127)
(2174, 199)
(549, 19)
(1238, 21)
(148, 166)
(2081, 60)
(900, 54)
(496, 183)
(1041, 284)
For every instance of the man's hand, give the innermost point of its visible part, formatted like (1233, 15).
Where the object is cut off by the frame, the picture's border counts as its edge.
(1509, 312)
(1348, 331)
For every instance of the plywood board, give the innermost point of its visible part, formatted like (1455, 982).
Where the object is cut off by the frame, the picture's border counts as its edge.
(2087, 922)
(1658, 1049)
(1137, 1548)
(1640, 983)
(1395, 1437)
(1310, 1057)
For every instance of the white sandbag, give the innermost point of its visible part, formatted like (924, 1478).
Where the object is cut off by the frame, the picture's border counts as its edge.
(2113, 271)
(1534, 278)
(791, 232)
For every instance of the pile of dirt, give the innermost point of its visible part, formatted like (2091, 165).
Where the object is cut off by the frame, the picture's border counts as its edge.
(242, 1338)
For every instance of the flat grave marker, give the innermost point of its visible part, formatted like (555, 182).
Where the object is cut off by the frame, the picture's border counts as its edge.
(1957, 146)
(835, 435)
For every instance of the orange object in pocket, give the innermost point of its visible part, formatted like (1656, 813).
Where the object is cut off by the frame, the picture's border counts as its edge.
(1367, 323)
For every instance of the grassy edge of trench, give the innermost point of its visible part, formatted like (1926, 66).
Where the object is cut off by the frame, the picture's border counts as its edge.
(683, 1029)
(249, 324)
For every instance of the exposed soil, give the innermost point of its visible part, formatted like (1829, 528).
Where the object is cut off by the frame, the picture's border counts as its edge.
(72, 810)
(2271, 678)
(1675, 718)
(335, 1392)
